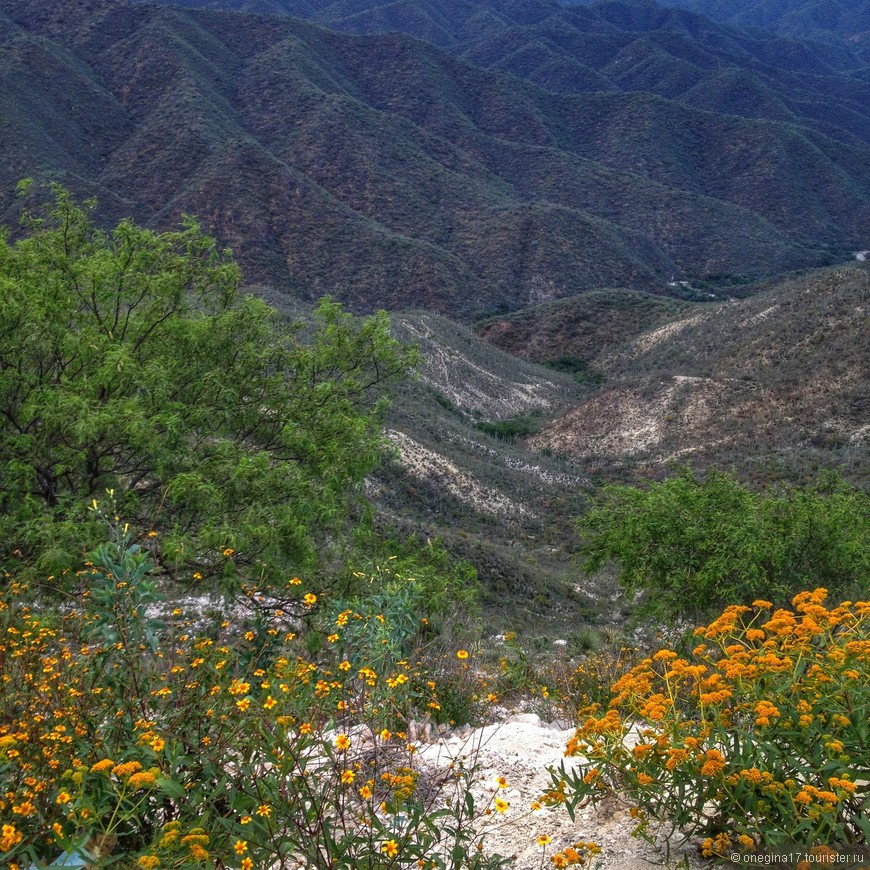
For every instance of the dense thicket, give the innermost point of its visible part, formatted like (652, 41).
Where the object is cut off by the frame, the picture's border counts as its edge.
(131, 363)
(692, 545)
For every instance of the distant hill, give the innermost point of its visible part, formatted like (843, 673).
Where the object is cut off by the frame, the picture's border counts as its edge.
(775, 384)
(621, 45)
(577, 328)
(390, 173)
(847, 20)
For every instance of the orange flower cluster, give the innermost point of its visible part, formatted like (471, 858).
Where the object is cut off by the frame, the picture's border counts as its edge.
(121, 740)
(789, 689)
(576, 855)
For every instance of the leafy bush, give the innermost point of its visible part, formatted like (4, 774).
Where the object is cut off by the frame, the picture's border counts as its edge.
(756, 740)
(135, 739)
(509, 430)
(447, 583)
(130, 361)
(691, 546)
(577, 366)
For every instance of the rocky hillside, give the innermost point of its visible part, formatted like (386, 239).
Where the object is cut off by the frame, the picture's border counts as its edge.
(776, 383)
(505, 508)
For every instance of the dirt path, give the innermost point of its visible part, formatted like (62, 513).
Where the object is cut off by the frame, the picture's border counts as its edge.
(520, 750)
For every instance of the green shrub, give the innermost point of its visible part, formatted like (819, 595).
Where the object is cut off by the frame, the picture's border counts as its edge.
(691, 545)
(131, 361)
(509, 430)
(757, 740)
(578, 367)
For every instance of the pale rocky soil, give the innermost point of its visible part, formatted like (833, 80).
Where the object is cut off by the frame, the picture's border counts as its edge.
(429, 465)
(520, 749)
(481, 387)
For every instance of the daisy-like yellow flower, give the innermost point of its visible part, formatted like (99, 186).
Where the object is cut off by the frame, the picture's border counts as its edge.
(543, 839)
(501, 805)
(243, 704)
(247, 864)
(269, 703)
(347, 776)
(264, 810)
(342, 742)
(390, 848)
(246, 820)
(229, 552)
(240, 847)
(502, 782)
(462, 654)
(309, 599)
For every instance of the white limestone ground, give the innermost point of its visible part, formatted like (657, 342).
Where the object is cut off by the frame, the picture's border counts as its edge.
(520, 750)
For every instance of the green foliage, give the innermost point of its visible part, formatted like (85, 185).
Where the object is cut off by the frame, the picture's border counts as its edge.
(756, 740)
(691, 545)
(521, 426)
(446, 582)
(577, 366)
(403, 603)
(209, 750)
(130, 361)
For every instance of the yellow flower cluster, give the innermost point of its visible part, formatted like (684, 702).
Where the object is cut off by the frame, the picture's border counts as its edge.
(784, 687)
(576, 855)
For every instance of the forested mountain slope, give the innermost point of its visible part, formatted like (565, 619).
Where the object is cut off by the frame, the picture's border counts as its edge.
(390, 173)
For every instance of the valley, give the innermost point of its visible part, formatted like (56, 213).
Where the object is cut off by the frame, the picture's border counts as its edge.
(604, 191)
(773, 386)
(434, 433)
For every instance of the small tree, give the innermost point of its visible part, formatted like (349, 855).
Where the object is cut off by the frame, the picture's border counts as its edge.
(692, 545)
(130, 361)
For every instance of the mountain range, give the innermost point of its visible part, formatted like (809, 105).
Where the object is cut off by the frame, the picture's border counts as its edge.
(815, 19)
(610, 196)
(461, 177)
